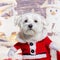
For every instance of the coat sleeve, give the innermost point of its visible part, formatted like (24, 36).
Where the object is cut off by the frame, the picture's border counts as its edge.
(17, 46)
(47, 41)
(51, 44)
(58, 55)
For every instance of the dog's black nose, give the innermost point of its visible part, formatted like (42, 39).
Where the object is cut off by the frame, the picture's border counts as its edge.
(30, 25)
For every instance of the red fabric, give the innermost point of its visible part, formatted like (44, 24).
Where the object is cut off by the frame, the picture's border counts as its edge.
(58, 55)
(42, 47)
(23, 46)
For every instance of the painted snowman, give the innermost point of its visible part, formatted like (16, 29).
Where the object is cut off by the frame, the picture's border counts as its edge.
(7, 26)
(53, 23)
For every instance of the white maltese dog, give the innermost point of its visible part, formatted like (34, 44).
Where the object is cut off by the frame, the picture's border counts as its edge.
(32, 38)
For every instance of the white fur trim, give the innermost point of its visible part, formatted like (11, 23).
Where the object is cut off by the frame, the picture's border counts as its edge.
(54, 46)
(13, 48)
(53, 54)
(34, 56)
(33, 47)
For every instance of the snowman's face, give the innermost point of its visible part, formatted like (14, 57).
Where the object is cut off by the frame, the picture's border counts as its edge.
(52, 11)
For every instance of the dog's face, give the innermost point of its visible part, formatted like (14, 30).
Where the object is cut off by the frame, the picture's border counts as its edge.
(30, 23)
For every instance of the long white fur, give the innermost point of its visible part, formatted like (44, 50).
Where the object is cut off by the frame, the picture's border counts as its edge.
(38, 31)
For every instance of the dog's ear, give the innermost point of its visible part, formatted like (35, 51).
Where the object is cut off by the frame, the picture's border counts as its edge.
(43, 20)
(17, 20)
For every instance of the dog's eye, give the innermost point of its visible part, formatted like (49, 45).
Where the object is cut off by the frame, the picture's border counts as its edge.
(26, 21)
(35, 21)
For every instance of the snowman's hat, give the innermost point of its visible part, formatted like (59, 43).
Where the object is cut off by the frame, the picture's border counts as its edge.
(54, 3)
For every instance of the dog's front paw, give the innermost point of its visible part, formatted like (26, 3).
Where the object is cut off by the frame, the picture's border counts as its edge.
(11, 53)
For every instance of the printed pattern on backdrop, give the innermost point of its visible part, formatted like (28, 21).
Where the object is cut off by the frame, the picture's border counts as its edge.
(8, 31)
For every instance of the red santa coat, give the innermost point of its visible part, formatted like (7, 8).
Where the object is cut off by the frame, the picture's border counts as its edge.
(35, 50)
(58, 55)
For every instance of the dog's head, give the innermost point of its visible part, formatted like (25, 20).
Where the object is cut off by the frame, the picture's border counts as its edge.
(30, 23)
